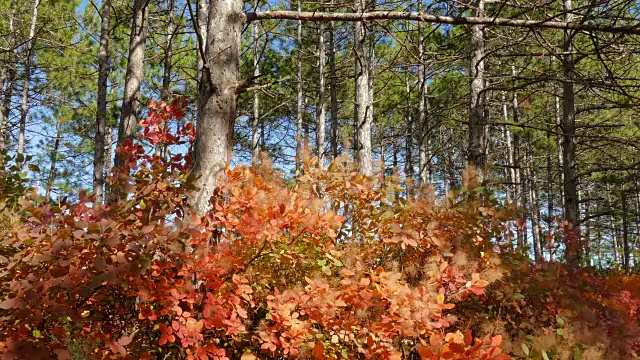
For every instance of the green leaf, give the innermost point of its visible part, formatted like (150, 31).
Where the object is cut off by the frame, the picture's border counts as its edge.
(525, 349)
(36, 334)
(33, 167)
(20, 158)
(559, 320)
(560, 331)
(336, 262)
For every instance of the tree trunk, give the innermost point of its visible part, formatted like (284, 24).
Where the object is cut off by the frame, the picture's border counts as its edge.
(587, 229)
(8, 74)
(510, 152)
(363, 104)
(569, 142)
(423, 108)
(53, 158)
(165, 92)
(255, 146)
(559, 152)
(24, 109)
(202, 16)
(534, 205)
(109, 142)
(408, 150)
(520, 187)
(334, 92)
(625, 233)
(101, 111)
(133, 80)
(300, 105)
(320, 108)
(477, 152)
(549, 179)
(217, 99)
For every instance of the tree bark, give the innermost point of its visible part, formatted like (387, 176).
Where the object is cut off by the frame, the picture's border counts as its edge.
(53, 159)
(363, 105)
(408, 150)
(133, 79)
(217, 99)
(423, 108)
(520, 187)
(101, 111)
(534, 205)
(334, 92)
(202, 16)
(477, 151)
(559, 152)
(625, 232)
(320, 108)
(24, 109)
(9, 74)
(299, 113)
(165, 92)
(569, 141)
(255, 146)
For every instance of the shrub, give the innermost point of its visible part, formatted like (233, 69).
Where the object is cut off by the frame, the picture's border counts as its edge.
(336, 266)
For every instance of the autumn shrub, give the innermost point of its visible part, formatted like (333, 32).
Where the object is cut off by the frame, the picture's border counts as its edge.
(334, 266)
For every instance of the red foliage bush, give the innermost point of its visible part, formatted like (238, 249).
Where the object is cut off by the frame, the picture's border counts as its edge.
(336, 266)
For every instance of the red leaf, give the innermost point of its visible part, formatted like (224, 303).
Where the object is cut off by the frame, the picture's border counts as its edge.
(7, 304)
(496, 340)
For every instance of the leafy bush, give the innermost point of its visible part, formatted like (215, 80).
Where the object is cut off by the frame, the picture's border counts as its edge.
(337, 266)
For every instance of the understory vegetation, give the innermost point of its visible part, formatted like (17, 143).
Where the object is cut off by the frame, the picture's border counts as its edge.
(332, 265)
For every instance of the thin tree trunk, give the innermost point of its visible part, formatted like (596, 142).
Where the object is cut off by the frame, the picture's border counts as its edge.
(363, 105)
(520, 183)
(299, 114)
(334, 92)
(217, 99)
(255, 146)
(24, 109)
(477, 152)
(109, 142)
(613, 225)
(133, 80)
(549, 179)
(165, 92)
(508, 139)
(625, 233)
(569, 142)
(599, 248)
(320, 108)
(7, 83)
(534, 206)
(423, 108)
(408, 150)
(101, 111)
(559, 152)
(202, 16)
(587, 229)
(53, 158)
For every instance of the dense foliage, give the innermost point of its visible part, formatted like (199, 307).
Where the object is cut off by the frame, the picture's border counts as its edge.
(334, 266)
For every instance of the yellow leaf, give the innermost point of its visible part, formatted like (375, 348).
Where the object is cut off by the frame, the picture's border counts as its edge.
(248, 356)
